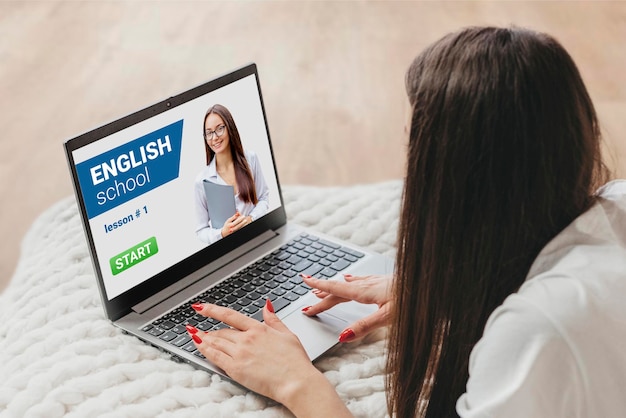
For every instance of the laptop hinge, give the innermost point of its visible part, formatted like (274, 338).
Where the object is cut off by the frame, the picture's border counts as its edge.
(184, 283)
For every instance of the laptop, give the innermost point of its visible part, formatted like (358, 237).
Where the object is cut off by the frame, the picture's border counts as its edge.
(137, 182)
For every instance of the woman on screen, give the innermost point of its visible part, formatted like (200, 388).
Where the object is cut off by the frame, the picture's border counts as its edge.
(228, 164)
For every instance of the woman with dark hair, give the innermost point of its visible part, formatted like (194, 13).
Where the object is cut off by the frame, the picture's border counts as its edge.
(508, 297)
(227, 163)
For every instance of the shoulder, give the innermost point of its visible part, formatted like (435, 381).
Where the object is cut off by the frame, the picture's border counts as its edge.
(521, 366)
(552, 348)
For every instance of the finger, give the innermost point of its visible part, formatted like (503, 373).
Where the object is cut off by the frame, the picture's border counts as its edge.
(334, 287)
(216, 340)
(325, 304)
(232, 218)
(226, 315)
(212, 353)
(239, 221)
(351, 278)
(319, 293)
(270, 318)
(364, 326)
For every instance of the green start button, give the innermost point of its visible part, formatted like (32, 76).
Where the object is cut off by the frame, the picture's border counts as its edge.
(134, 255)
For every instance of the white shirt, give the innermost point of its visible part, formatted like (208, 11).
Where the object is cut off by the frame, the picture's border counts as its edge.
(204, 230)
(557, 347)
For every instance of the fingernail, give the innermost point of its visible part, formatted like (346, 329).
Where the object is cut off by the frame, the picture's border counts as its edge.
(306, 276)
(347, 275)
(191, 329)
(345, 336)
(197, 339)
(197, 307)
(269, 306)
(306, 308)
(316, 291)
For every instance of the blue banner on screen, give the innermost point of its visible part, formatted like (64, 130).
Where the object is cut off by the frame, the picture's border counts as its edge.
(130, 170)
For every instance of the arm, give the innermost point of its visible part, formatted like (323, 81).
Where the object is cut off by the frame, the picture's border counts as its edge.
(268, 359)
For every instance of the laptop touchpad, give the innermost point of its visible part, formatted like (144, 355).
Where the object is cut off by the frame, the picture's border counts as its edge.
(320, 332)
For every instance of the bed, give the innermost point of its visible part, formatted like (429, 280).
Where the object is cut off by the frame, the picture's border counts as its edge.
(60, 357)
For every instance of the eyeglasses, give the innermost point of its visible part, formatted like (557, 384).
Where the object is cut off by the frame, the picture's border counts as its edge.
(219, 131)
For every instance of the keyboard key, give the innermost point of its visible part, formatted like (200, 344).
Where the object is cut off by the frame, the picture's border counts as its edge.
(329, 244)
(312, 270)
(300, 291)
(181, 340)
(280, 304)
(179, 329)
(328, 272)
(168, 336)
(352, 252)
(279, 292)
(189, 347)
(339, 265)
(339, 253)
(291, 297)
(350, 258)
(301, 265)
(258, 316)
(283, 255)
(167, 325)
(156, 331)
(294, 259)
(250, 310)
(205, 326)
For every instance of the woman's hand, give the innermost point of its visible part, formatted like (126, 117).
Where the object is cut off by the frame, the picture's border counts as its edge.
(266, 358)
(235, 223)
(364, 289)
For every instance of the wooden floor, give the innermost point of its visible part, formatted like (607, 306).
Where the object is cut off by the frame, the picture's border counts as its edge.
(332, 77)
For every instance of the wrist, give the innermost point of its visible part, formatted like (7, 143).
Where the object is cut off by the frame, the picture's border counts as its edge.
(312, 395)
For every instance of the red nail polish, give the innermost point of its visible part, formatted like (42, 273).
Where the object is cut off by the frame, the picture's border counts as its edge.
(345, 336)
(196, 339)
(191, 329)
(306, 308)
(269, 306)
(347, 275)
(197, 307)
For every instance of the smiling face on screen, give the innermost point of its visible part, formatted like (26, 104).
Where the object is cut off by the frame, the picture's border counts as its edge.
(216, 134)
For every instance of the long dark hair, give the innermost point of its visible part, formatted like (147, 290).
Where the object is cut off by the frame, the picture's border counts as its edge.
(243, 175)
(504, 152)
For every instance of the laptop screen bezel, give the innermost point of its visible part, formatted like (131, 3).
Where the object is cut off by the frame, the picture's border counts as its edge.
(121, 305)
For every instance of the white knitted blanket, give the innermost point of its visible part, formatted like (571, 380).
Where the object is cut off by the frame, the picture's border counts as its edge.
(59, 356)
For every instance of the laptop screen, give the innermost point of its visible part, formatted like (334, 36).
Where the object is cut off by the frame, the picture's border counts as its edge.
(141, 182)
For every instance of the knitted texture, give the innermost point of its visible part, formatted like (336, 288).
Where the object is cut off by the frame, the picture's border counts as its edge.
(60, 357)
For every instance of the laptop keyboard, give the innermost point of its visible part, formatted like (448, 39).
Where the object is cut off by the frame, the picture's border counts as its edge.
(277, 277)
